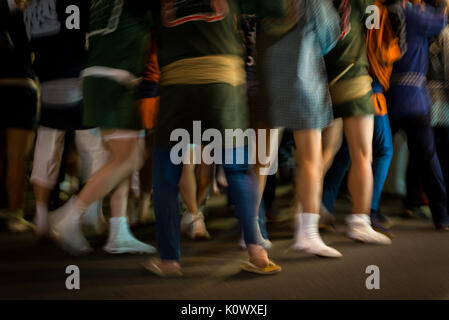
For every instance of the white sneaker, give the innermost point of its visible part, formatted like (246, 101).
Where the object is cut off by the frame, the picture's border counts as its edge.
(65, 225)
(308, 239)
(194, 226)
(94, 220)
(360, 230)
(122, 241)
(122, 245)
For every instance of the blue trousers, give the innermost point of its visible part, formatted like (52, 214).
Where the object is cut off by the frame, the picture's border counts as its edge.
(423, 152)
(243, 188)
(382, 155)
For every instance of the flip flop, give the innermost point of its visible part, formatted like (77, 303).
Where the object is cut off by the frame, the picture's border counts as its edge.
(271, 268)
(151, 265)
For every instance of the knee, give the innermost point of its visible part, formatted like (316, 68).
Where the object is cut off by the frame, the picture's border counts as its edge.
(384, 151)
(313, 169)
(130, 160)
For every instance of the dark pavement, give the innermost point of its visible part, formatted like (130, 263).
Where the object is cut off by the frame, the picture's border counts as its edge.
(416, 266)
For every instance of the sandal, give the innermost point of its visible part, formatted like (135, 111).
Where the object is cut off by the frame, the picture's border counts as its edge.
(152, 266)
(270, 268)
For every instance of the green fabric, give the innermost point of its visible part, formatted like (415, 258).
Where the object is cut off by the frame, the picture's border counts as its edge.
(109, 105)
(352, 48)
(198, 38)
(125, 48)
(186, 32)
(357, 108)
(219, 106)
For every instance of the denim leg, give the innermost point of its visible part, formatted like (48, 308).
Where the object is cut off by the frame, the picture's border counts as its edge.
(243, 189)
(382, 155)
(166, 176)
(262, 221)
(335, 176)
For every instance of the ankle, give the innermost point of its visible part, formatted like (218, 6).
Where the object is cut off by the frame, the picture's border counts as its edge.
(258, 254)
(169, 265)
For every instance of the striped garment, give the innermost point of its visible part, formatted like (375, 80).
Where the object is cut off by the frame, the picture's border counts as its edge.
(439, 79)
(292, 71)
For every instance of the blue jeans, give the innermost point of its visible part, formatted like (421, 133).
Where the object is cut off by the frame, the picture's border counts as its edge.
(382, 155)
(243, 189)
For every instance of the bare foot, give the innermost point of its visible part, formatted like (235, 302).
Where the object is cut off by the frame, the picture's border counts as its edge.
(258, 255)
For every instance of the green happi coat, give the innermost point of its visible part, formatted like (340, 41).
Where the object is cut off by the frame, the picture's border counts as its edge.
(197, 29)
(118, 40)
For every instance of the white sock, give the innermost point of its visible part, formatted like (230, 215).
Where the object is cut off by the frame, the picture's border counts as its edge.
(308, 225)
(118, 226)
(356, 218)
(307, 237)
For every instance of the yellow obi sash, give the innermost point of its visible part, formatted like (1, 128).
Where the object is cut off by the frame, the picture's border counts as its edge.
(205, 70)
(350, 89)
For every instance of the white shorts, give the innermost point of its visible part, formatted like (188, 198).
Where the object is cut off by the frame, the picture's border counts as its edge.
(48, 153)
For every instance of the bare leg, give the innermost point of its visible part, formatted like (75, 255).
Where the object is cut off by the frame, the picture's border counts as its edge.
(125, 157)
(188, 188)
(119, 199)
(309, 186)
(332, 140)
(309, 179)
(359, 134)
(271, 146)
(192, 222)
(19, 143)
(146, 181)
(205, 177)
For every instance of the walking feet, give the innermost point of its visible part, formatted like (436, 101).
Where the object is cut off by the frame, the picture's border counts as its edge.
(121, 240)
(360, 230)
(307, 237)
(193, 226)
(259, 262)
(163, 268)
(65, 225)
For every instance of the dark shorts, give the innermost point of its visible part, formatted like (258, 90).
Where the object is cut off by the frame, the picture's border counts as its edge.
(66, 118)
(110, 105)
(361, 107)
(18, 107)
(218, 106)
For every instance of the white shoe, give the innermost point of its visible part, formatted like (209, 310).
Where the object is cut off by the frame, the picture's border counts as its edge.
(94, 220)
(122, 241)
(129, 245)
(194, 226)
(308, 239)
(360, 230)
(65, 225)
(17, 223)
